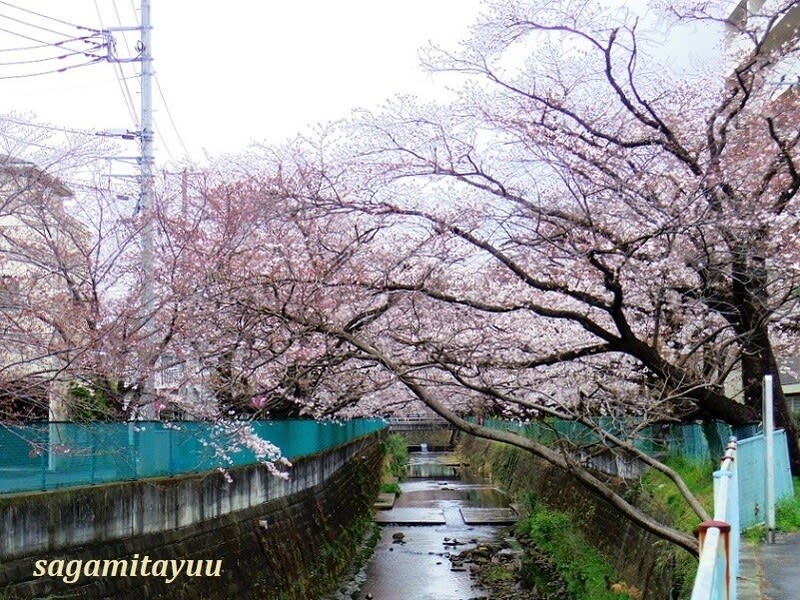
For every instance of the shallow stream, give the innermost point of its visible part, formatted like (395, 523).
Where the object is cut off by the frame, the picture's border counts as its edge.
(417, 566)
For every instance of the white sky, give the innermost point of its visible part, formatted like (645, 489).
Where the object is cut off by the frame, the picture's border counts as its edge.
(231, 72)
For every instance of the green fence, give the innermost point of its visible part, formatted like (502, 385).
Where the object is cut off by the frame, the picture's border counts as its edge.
(750, 457)
(42, 456)
(694, 441)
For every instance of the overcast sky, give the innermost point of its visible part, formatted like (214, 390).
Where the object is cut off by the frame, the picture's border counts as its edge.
(231, 72)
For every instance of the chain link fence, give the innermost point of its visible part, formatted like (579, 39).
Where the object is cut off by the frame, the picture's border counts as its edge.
(43, 456)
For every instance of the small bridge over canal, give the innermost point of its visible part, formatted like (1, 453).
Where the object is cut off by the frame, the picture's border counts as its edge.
(425, 431)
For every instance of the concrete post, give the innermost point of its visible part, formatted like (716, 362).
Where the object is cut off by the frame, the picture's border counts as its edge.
(769, 457)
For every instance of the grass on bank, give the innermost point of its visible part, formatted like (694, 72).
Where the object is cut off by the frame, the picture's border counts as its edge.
(787, 517)
(787, 512)
(659, 489)
(699, 479)
(395, 463)
(390, 487)
(587, 574)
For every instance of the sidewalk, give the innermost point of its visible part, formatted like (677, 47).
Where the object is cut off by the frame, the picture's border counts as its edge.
(770, 571)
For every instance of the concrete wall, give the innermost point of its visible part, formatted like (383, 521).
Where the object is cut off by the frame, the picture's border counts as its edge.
(639, 557)
(271, 534)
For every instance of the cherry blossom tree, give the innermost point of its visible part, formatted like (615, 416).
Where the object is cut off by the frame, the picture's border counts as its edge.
(586, 230)
(66, 252)
(627, 233)
(290, 304)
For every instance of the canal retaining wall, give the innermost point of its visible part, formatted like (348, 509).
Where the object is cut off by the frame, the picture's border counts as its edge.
(640, 558)
(274, 538)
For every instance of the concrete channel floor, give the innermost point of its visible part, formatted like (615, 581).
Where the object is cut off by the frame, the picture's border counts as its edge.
(770, 571)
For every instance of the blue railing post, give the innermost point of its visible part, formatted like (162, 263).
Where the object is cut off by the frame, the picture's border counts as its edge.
(719, 538)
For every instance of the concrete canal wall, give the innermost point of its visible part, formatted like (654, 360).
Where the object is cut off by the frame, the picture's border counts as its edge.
(259, 536)
(639, 557)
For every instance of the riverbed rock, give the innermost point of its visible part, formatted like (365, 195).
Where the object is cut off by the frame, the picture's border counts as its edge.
(453, 542)
(486, 561)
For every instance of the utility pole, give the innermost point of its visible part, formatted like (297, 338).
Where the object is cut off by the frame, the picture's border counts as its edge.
(146, 162)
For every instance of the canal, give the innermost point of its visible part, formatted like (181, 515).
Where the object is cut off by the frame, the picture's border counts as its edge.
(439, 514)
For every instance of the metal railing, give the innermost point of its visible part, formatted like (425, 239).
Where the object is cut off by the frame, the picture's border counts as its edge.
(719, 538)
(414, 422)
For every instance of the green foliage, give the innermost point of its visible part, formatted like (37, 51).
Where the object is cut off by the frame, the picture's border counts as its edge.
(89, 403)
(787, 511)
(548, 526)
(396, 452)
(390, 488)
(532, 576)
(587, 574)
(503, 459)
(754, 535)
(498, 573)
(666, 497)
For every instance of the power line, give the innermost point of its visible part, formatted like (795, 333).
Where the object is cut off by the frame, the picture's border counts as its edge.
(160, 93)
(28, 142)
(31, 61)
(60, 44)
(122, 81)
(50, 72)
(121, 68)
(34, 26)
(32, 12)
(157, 129)
(25, 48)
(171, 120)
(43, 126)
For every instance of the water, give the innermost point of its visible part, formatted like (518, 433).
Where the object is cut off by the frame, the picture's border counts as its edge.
(419, 568)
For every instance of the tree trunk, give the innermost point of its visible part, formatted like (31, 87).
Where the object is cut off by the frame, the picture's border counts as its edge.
(749, 287)
(758, 361)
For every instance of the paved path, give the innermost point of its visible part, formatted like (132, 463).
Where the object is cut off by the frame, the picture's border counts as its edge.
(770, 571)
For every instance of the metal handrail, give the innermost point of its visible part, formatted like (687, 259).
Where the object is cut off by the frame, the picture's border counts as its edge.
(719, 538)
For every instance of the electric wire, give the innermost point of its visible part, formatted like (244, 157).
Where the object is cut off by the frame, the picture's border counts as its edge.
(54, 44)
(24, 123)
(164, 143)
(32, 12)
(129, 53)
(169, 115)
(42, 44)
(122, 81)
(26, 48)
(58, 45)
(32, 61)
(28, 142)
(119, 22)
(87, 53)
(34, 26)
(52, 71)
(171, 119)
